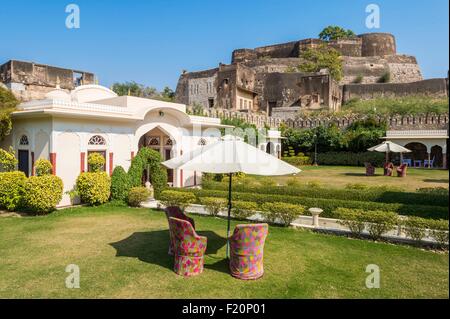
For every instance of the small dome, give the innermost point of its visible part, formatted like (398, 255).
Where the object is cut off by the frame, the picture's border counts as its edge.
(91, 92)
(58, 94)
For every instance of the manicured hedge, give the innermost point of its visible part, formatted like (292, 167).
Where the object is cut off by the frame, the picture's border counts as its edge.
(137, 196)
(151, 159)
(120, 184)
(43, 167)
(12, 187)
(350, 159)
(330, 205)
(378, 195)
(94, 188)
(42, 193)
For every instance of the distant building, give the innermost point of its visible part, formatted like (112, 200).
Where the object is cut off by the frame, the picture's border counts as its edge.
(265, 79)
(30, 81)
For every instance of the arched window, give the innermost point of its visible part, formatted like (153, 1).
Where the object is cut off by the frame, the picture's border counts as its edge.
(97, 140)
(23, 140)
(169, 142)
(202, 142)
(154, 141)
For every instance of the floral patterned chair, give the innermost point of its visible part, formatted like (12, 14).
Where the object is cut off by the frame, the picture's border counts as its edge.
(401, 170)
(176, 212)
(247, 250)
(370, 169)
(189, 248)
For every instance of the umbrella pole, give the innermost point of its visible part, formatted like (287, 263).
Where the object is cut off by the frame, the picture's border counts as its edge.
(229, 216)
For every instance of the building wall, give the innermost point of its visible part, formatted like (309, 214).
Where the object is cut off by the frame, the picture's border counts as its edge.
(29, 80)
(67, 139)
(436, 88)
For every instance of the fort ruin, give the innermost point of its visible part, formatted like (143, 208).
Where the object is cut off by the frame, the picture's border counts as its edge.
(262, 80)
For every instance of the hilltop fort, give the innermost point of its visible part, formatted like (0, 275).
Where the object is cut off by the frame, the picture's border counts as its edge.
(266, 79)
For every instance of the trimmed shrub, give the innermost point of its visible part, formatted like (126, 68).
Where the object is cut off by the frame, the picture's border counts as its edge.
(42, 193)
(357, 192)
(350, 158)
(12, 188)
(441, 191)
(151, 159)
(96, 162)
(94, 188)
(213, 204)
(177, 198)
(328, 205)
(352, 219)
(43, 167)
(137, 196)
(243, 210)
(379, 222)
(439, 231)
(8, 160)
(415, 227)
(287, 213)
(120, 184)
(299, 160)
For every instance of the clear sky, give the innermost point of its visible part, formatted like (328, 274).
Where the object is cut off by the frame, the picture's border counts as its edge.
(152, 41)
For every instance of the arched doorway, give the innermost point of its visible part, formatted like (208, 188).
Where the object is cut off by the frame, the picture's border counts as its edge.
(436, 156)
(270, 148)
(160, 141)
(418, 154)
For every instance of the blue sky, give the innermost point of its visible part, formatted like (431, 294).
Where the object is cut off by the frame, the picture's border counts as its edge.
(151, 42)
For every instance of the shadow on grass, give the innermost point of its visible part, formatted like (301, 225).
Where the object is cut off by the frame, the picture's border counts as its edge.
(152, 247)
(357, 174)
(444, 181)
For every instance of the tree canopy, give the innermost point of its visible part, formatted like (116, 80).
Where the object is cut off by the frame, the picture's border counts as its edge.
(8, 103)
(323, 57)
(331, 33)
(135, 89)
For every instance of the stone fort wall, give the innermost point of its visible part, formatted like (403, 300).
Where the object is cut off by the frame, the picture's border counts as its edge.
(397, 122)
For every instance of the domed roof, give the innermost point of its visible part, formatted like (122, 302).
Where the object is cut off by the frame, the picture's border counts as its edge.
(91, 92)
(58, 94)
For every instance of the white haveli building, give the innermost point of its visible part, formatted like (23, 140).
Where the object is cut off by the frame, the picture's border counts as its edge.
(66, 126)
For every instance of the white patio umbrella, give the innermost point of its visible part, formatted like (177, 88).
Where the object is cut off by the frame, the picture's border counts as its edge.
(387, 147)
(231, 155)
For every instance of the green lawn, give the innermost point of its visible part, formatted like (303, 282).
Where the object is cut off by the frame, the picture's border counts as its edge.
(122, 253)
(339, 176)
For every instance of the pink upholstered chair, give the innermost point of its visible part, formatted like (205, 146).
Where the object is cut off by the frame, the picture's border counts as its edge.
(247, 251)
(401, 170)
(370, 169)
(189, 248)
(388, 169)
(176, 212)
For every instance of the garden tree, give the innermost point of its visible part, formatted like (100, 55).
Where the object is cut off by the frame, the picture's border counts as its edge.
(328, 138)
(362, 134)
(335, 33)
(8, 103)
(168, 94)
(322, 57)
(135, 89)
(8, 160)
(149, 159)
